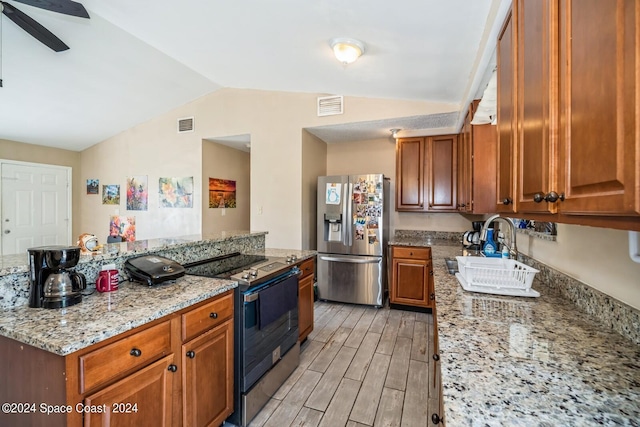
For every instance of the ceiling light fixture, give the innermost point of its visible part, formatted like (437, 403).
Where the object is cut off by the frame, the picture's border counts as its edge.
(394, 132)
(347, 50)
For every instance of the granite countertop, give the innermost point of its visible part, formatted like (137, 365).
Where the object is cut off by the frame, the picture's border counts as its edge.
(528, 361)
(103, 315)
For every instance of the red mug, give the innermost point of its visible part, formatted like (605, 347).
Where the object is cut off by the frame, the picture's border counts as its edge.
(107, 281)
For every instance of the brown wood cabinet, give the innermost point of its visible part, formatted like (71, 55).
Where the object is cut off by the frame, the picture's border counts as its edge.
(506, 57)
(140, 370)
(426, 172)
(412, 277)
(477, 166)
(576, 111)
(305, 298)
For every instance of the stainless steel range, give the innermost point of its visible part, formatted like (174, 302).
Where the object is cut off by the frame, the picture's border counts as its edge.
(266, 325)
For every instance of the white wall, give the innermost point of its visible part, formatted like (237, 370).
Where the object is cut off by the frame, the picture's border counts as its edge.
(219, 161)
(273, 119)
(598, 257)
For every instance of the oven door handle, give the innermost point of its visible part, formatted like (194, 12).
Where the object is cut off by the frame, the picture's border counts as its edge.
(351, 260)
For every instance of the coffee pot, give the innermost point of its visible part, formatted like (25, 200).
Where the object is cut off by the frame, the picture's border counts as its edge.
(52, 283)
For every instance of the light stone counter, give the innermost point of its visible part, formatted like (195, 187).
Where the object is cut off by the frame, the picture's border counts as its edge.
(103, 315)
(509, 361)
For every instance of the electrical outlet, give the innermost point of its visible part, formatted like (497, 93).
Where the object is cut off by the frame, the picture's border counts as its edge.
(223, 211)
(259, 210)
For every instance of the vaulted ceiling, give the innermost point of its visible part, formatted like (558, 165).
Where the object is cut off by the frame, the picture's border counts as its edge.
(134, 60)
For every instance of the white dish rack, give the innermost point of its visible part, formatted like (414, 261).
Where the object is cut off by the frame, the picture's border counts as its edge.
(499, 276)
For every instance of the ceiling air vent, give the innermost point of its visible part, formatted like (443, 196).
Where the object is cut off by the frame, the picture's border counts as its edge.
(330, 105)
(185, 125)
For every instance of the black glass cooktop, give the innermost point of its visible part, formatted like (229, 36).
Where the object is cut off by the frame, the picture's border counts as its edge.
(225, 266)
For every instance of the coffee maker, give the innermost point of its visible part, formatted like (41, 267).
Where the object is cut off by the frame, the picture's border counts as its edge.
(52, 283)
(471, 238)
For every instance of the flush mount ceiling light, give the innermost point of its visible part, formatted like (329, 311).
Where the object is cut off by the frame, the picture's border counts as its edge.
(346, 50)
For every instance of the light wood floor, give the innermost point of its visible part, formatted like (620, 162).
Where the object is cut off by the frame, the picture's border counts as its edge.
(361, 366)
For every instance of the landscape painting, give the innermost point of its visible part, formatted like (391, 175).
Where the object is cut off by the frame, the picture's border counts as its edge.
(222, 193)
(111, 194)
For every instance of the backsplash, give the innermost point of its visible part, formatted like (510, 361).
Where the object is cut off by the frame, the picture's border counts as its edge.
(452, 236)
(14, 280)
(601, 307)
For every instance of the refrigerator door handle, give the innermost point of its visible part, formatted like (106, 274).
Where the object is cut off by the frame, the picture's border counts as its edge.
(349, 224)
(345, 214)
(351, 260)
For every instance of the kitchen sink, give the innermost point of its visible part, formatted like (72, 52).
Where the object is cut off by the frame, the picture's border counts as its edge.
(452, 265)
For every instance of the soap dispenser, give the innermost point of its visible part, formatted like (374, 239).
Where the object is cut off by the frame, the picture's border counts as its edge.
(489, 247)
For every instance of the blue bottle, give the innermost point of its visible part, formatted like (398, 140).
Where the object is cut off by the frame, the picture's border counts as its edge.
(489, 247)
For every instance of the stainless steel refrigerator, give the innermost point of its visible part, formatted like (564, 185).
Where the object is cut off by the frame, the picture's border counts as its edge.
(353, 229)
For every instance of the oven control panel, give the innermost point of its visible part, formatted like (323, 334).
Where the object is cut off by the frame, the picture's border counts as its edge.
(262, 272)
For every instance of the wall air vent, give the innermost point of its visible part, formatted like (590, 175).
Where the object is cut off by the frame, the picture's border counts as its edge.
(330, 105)
(185, 124)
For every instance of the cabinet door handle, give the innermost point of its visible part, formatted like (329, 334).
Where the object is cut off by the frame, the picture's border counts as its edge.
(213, 315)
(539, 197)
(191, 354)
(135, 352)
(431, 273)
(435, 418)
(172, 368)
(432, 296)
(436, 357)
(506, 201)
(553, 197)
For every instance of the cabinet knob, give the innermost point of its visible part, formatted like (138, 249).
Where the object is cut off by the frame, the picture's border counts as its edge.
(506, 201)
(191, 354)
(435, 418)
(172, 368)
(553, 197)
(430, 272)
(436, 357)
(538, 197)
(432, 296)
(135, 352)
(213, 315)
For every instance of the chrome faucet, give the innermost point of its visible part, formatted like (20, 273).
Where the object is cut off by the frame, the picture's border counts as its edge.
(513, 250)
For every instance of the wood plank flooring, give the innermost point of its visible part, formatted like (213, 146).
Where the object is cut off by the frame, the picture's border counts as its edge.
(361, 366)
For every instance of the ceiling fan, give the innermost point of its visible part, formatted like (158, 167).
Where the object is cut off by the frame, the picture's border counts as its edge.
(66, 7)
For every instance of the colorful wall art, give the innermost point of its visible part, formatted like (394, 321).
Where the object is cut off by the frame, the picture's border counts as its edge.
(93, 186)
(111, 194)
(137, 193)
(222, 193)
(176, 192)
(123, 226)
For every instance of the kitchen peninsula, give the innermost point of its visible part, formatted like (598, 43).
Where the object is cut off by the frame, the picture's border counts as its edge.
(131, 339)
(527, 361)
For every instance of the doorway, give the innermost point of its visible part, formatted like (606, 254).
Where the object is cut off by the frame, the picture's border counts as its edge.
(35, 206)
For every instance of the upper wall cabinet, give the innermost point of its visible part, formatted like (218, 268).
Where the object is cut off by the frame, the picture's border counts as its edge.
(426, 174)
(567, 112)
(506, 56)
(599, 148)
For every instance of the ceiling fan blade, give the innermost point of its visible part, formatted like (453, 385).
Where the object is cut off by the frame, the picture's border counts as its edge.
(32, 27)
(66, 7)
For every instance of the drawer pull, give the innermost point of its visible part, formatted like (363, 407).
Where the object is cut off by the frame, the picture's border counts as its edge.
(436, 357)
(172, 368)
(435, 418)
(213, 315)
(135, 352)
(191, 354)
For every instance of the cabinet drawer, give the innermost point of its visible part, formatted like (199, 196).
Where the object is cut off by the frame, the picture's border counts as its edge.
(307, 268)
(412, 252)
(207, 316)
(119, 357)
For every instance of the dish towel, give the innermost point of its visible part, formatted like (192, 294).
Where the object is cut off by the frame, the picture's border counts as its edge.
(276, 300)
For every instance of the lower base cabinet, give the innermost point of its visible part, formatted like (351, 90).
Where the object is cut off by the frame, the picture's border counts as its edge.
(412, 277)
(175, 371)
(141, 399)
(207, 388)
(305, 298)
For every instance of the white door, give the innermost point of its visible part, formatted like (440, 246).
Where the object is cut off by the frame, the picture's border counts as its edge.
(35, 206)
